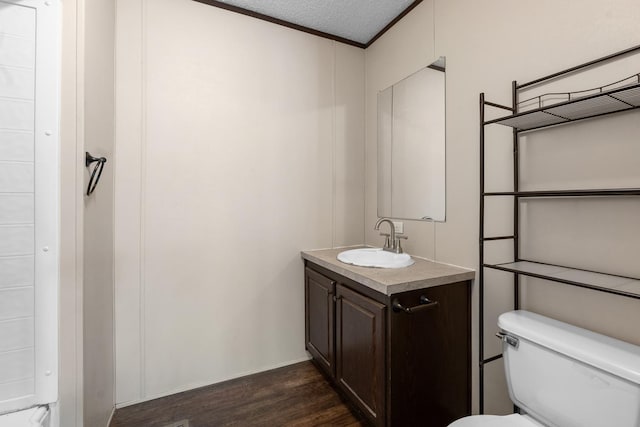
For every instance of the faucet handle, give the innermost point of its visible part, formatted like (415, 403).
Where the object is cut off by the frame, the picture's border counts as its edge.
(387, 240)
(398, 246)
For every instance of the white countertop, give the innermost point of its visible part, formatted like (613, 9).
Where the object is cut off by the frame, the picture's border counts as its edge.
(422, 274)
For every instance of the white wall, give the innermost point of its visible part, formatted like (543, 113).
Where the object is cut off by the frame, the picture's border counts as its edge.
(239, 143)
(487, 45)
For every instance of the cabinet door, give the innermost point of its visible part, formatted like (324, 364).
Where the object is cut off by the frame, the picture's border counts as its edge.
(360, 351)
(319, 324)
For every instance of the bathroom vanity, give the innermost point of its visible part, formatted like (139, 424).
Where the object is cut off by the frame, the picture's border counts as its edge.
(395, 342)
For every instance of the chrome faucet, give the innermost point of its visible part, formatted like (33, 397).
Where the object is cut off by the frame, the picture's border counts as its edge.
(391, 238)
(392, 242)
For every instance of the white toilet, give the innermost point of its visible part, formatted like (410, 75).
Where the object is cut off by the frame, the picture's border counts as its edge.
(564, 376)
(33, 417)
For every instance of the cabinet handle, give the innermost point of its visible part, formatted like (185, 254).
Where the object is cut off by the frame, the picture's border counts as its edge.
(425, 303)
(332, 289)
(336, 298)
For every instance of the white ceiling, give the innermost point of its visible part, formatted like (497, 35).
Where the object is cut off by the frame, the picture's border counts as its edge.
(355, 20)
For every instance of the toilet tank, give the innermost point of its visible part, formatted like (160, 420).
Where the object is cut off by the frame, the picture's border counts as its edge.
(565, 376)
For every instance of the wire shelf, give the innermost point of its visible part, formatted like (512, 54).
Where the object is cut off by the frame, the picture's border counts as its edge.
(619, 285)
(568, 193)
(612, 101)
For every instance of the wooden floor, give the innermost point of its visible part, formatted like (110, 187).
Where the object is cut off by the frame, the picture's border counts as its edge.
(296, 395)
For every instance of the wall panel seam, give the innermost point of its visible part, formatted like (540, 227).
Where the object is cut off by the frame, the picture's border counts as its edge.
(143, 178)
(79, 205)
(333, 148)
(113, 212)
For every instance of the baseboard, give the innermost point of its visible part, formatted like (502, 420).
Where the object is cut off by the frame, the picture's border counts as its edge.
(113, 411)
(208, 383)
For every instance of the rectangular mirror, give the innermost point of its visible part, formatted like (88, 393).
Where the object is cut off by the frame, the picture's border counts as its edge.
(411, 146)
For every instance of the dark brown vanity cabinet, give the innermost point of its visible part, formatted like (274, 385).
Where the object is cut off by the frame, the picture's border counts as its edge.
(402, 366)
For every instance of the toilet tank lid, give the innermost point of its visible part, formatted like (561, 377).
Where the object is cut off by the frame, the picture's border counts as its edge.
(609, 354)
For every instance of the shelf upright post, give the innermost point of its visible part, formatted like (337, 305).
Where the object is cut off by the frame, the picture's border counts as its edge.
(480, 267)
(516, 199)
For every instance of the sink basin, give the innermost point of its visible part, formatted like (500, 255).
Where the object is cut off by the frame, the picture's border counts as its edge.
(375, 257)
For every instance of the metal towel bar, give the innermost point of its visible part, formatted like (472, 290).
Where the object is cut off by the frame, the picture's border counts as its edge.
(97, 170)
(425, 303)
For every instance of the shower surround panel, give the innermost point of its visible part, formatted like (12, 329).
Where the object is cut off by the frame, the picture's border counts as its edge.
(28, 205)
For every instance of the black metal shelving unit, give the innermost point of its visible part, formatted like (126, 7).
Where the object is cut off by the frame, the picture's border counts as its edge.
(614, 98)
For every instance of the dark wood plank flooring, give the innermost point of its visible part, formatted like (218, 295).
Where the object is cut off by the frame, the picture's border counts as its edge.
(295, 395)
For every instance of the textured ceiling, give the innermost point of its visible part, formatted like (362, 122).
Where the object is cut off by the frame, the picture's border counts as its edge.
(355, 20)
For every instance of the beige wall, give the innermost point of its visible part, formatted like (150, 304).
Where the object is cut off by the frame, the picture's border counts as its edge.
(86, 389)
(487, 45)
(239, 143)
(98, 39)
(70, 339)
(403, 50)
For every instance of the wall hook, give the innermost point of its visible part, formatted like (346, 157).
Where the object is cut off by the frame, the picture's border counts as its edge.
(97, 170)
